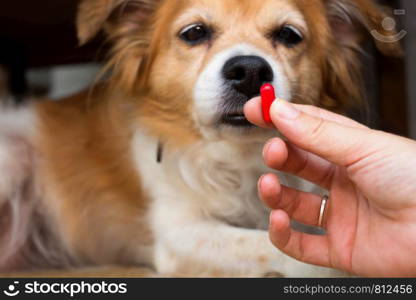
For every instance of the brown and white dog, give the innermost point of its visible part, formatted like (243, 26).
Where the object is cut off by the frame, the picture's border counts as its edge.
(158, 166)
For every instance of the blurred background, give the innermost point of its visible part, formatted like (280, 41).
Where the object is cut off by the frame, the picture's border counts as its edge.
(40, 57)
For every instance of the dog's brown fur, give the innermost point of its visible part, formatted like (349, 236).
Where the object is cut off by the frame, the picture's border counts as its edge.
(88, 172)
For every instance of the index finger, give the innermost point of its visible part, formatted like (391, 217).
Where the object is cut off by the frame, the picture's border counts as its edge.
(254, 114)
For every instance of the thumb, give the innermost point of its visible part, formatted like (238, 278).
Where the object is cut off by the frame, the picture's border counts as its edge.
(338, 143)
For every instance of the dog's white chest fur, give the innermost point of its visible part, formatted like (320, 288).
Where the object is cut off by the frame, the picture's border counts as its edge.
(217, 179)
(205, 213)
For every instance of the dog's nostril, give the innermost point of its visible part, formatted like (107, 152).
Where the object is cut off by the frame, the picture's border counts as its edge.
(237, 74)
(246, 74)
(240, 74)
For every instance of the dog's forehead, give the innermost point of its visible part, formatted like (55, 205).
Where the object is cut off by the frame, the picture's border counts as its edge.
(244, 11)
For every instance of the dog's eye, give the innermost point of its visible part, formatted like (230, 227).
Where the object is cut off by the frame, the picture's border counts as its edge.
(195, 34)
(288, 35)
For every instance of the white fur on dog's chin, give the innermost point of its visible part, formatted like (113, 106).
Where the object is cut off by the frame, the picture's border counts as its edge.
(209, 91)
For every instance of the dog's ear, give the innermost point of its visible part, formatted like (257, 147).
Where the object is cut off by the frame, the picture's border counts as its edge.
(351, 22)
(354, 20)
(95, 15)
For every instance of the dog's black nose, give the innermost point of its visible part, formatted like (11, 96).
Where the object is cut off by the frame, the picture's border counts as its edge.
(247, 74)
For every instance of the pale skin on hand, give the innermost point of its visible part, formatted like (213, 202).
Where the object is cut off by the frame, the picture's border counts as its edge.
(371, 215)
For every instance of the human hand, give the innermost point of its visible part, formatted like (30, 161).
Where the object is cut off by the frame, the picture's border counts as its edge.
(371, 176)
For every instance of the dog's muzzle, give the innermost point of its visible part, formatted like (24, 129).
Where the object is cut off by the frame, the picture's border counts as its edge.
(243, 77)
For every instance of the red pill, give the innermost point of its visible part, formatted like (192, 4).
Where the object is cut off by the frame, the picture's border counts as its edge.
(267, 98)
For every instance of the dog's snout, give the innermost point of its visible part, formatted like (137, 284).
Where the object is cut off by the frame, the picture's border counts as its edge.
(247, 74)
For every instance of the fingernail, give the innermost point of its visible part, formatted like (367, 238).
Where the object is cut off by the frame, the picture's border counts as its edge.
(267, 147)
(284, 110)
(271, 218)
(259, 183)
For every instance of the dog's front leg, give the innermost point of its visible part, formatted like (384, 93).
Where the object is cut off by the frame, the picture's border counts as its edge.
(187, 245)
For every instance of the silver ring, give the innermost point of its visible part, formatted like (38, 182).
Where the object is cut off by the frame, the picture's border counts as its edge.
(324, 203)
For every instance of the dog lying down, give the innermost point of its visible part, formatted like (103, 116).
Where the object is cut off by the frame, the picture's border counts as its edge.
(157, 165)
